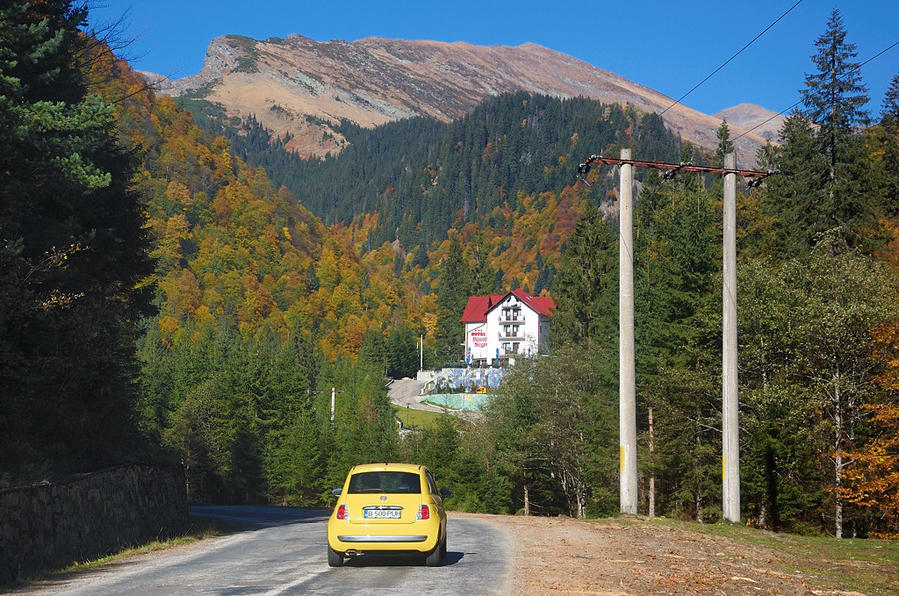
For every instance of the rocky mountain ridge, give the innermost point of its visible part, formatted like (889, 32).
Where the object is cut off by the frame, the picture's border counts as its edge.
(304, 87)
(748, 116)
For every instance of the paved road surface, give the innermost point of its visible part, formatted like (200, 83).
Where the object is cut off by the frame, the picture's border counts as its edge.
(284, 552)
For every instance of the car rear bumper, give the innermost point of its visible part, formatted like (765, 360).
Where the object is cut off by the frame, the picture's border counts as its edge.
(422, 537)
(355, 538)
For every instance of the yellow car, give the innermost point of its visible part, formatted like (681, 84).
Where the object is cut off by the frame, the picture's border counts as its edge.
(388, 508)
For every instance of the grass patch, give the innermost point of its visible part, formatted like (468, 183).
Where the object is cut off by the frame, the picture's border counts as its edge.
(417, 419)
(870, 566)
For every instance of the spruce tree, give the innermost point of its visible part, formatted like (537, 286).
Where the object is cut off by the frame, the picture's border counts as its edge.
(586, 284)
(887, 140)
(481, 277)
(725, 145)
(822, 158)
(834, 96)
(451, 299)
(72, 251)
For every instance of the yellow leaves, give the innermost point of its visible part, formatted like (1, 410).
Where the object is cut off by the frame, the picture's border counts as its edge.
(168, 247)
(327, 269)
(168, 328)
(203, 317)
(182, 292)
(178, 193)
(257, 302)
(221, 207)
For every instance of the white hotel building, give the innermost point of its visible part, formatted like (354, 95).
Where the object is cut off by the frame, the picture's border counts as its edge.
(500, 327)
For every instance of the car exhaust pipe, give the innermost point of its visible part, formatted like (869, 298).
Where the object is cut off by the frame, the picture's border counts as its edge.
(350, 553)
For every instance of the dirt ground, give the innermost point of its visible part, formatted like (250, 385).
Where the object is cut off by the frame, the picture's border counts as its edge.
(561, 555)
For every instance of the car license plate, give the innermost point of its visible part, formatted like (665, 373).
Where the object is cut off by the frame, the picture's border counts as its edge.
(382, 513)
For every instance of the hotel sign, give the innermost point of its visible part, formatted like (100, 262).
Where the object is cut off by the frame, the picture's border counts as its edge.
(479, 338)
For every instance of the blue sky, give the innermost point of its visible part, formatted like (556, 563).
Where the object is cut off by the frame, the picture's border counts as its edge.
(668, 46)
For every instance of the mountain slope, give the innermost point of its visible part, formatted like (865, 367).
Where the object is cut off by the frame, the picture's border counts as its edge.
(748, 116)
(305, 88)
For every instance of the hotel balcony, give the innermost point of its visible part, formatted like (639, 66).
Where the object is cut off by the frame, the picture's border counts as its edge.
(519, 319)
(511, 336)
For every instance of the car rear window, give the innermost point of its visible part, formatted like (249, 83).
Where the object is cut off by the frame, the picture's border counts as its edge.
(385, 482)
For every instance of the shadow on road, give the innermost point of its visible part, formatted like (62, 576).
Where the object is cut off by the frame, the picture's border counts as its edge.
(371, 560)
(255, 518)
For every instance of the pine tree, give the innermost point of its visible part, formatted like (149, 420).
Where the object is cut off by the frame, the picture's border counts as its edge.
(725, 145)
(823, 185)
(834, 96)
(451, 299)
(677, 306)
(887, 139)
(586, 283)
(72, 251)
(481, 276)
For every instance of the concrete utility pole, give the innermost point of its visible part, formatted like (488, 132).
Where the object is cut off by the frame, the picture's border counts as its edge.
(627, 401)
(333, 391)
(730, 425)
(730, 458)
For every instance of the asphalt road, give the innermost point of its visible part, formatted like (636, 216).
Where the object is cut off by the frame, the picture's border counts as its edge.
(283, 551)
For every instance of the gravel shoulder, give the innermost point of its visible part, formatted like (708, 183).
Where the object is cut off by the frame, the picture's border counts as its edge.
(642, 556)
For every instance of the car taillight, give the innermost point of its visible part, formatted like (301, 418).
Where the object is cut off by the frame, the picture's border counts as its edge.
(424, 512)
(342, 513)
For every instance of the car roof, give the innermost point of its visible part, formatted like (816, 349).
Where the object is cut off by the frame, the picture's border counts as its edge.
(388, 467)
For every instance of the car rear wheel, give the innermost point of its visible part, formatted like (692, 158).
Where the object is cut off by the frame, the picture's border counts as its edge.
(335, 559)
(435, 557)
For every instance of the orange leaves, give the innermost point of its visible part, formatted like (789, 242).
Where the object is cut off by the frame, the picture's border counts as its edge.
(886, 339)
(872, 479)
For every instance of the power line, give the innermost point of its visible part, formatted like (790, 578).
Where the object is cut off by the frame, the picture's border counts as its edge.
(711, 74)
(878, 54)
(783, 111)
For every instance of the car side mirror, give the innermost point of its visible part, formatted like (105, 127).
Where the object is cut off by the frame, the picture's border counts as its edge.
(445, 493)
(336, 491)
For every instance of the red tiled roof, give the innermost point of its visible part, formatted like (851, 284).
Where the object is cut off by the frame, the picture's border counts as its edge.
(478, 306)
(542, 305)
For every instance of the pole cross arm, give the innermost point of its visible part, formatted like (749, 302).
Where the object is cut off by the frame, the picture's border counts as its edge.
(755, 176)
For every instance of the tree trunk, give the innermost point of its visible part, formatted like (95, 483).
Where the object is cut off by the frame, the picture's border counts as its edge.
(652, 477)
(838, 458)
(771, 486)
(838, 475)
(527, 500)
(698, 486)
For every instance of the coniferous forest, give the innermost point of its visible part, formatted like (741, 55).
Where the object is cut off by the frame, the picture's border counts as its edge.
(169, 294)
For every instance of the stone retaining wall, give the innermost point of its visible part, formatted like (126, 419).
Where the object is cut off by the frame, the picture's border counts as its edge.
(51, 525)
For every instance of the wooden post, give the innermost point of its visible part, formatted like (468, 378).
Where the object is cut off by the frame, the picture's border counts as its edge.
(652, 476)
